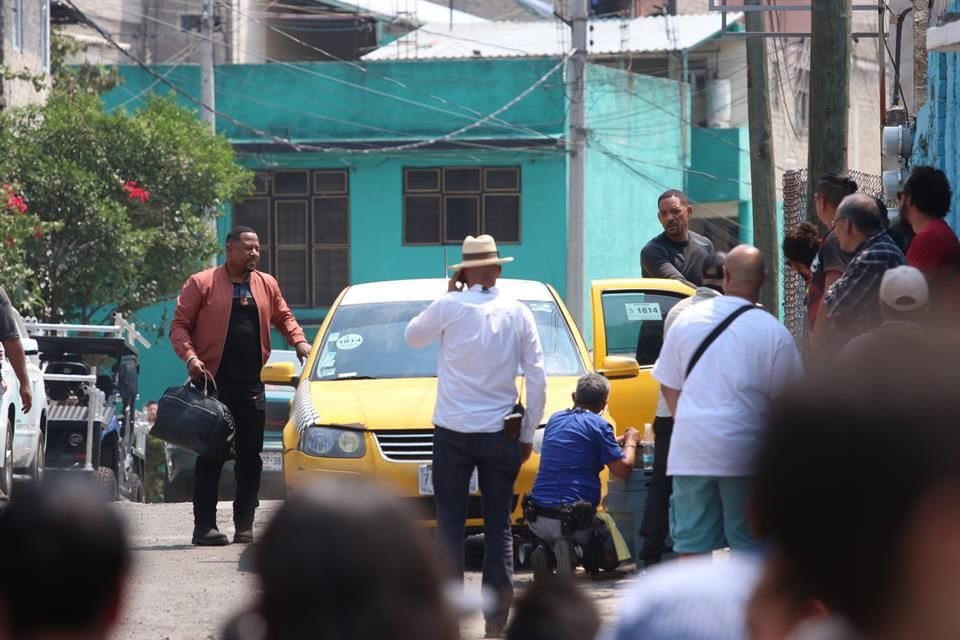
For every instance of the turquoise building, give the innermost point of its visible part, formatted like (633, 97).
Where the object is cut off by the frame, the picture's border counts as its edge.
(377, 171)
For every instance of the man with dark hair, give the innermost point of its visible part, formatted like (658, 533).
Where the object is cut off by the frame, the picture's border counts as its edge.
(859, 506)
(577, 444)
(554, 609)
(853, 302)
(65, 560)
(656, 511)
(677, 253)
(831, 260)
(221, 328)
(935, 250)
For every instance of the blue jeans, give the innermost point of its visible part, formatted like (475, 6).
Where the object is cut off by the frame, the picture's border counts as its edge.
(709, 513)
(497, 460)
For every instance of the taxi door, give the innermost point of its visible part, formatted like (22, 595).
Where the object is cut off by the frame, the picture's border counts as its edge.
(628, 319)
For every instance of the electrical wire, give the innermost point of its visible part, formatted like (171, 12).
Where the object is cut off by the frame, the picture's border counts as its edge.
(177, 60)
(314, 72)
(310, 147)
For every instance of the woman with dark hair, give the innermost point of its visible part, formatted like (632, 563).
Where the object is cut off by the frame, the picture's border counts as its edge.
(800, 248)
(343, 561)
(831, 260)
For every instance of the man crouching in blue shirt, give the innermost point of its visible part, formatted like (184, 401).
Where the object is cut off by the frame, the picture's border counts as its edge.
(577, 444)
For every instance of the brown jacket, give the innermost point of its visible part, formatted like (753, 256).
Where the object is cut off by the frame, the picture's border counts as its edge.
(202, 317)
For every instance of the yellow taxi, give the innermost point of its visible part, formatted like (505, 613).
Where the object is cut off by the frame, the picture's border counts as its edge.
(365, 401)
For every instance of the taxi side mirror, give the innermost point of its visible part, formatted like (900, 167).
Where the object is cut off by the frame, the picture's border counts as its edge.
(619, 367)
(280, 373)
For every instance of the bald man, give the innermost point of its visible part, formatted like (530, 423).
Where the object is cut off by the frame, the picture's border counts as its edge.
(722, 363)
(853, 301)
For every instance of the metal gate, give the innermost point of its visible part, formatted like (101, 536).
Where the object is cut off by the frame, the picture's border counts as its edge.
(795, 212)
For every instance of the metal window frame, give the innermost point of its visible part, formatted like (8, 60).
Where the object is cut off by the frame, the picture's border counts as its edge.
(443, 185)
(306, 182)
(268, 181)
(313, 219)
(419, 194)
(304, 251)
(478, 216)
(339, 172)
(277, 202)
(314, 298)
(500, 194)
(488, 189)
(437, 170)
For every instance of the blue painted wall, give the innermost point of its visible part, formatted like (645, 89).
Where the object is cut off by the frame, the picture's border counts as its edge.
(937, 140)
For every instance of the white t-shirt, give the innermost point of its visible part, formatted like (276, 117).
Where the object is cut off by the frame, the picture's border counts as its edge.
(701, 294)
(724, 404)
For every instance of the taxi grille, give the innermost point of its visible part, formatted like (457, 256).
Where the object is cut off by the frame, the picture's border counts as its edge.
(406, 446)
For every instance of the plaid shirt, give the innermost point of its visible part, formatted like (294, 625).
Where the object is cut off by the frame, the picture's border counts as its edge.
(854, 300)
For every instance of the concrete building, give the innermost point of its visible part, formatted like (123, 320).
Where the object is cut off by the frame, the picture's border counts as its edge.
(24, 51)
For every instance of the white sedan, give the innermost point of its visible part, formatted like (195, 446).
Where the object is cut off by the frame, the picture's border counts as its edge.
(22, 436)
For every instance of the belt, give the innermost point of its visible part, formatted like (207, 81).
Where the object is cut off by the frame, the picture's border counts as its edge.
(549, 512)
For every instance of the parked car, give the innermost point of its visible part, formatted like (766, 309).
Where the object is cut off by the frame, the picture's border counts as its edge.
(180, 462)
(366, 402)
(23, 436)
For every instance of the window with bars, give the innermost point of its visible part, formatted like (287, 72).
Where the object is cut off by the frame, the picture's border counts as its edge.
(303, 220)
(443, 205)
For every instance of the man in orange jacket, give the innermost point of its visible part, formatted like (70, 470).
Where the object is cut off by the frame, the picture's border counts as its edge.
(221, 328)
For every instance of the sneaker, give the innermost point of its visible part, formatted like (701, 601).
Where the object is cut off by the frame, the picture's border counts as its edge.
(563, 550)
(243, 536)
(540, 561)
(209, 538)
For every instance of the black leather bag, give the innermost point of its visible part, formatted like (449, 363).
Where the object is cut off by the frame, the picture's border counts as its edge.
(192, 419)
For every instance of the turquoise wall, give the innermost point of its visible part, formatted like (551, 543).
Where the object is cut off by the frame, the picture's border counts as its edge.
(378, 101)
(937, 140)
(719, 165)
(630, 162)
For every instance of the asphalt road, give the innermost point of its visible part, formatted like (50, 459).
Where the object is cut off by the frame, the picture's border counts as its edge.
(181, 592)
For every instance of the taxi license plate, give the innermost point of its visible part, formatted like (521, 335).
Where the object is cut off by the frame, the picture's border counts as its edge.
(272, 460)
(426, 481)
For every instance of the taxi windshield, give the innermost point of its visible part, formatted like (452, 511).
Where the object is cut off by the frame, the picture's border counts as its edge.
(365, 341)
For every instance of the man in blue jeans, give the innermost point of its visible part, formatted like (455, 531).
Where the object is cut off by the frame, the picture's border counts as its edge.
(485, 338)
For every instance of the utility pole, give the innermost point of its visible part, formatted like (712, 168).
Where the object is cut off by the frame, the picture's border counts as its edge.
(829, 91)
(763, 178)
(208, 89)
(207, 92)
(578, 163)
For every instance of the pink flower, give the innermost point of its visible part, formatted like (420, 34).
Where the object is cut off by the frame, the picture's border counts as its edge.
(135, 192)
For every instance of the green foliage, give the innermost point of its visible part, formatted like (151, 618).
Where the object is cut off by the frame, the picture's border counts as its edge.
(78, 78)
(108, 250)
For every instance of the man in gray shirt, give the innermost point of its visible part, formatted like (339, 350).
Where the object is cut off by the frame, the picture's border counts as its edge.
(677, 253)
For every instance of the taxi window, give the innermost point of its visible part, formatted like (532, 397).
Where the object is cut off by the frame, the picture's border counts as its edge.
(633, 321)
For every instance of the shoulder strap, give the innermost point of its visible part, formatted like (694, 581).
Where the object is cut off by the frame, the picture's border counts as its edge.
(720, 328)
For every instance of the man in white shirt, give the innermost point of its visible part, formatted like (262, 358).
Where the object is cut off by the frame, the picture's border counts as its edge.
(656, 512)
(485, 338)
(720, 404)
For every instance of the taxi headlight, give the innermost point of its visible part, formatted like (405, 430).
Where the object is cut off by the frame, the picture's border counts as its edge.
(330, 442)
(538, 439)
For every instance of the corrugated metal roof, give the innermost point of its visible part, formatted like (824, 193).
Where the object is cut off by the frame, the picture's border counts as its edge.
(422, 11)
(548, 38)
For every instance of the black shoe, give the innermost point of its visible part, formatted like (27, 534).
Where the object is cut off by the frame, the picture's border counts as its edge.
(209, 538)
(243, 536)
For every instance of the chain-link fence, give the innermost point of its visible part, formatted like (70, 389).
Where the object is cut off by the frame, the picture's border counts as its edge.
(795, 212)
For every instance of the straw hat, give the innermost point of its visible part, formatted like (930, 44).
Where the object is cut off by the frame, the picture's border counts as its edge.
(480, 252)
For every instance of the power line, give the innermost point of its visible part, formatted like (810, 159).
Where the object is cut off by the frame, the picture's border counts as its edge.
(177, 59)
(313, 72)
(309, 147)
